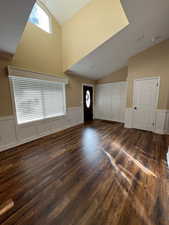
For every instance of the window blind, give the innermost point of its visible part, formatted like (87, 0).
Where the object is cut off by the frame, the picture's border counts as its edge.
(37, 99)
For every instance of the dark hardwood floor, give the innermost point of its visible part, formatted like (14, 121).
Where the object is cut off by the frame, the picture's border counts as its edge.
(95, 174)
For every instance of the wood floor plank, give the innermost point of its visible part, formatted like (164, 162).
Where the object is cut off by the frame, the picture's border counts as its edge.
(99, 173)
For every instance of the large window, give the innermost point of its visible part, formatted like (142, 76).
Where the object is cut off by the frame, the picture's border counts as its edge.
(40, 18)
(37, 99)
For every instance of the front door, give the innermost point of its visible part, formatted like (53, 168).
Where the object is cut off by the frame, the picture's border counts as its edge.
(145, 103)
(88, 103)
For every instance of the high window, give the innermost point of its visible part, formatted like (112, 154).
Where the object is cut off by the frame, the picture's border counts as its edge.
(40, 18)
(37, 99)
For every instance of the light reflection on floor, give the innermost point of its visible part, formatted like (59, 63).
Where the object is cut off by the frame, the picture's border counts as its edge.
(92, 150)
(136, 162)
(90, 144)
(96, 146)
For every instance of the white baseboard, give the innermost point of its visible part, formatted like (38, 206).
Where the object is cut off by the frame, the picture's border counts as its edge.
(106, 119)
(12, 135)
(162, 120)
(157, 131)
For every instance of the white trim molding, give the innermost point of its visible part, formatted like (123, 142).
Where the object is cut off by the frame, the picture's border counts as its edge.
(7, 132)
(19, 72)
(12, 135)
(128, 117)
(166, 128)
(161, 117)
(162, 120)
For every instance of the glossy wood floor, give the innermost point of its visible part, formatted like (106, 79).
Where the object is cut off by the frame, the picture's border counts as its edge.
(98, 174)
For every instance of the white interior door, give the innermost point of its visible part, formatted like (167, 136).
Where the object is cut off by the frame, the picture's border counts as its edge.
(146, 93)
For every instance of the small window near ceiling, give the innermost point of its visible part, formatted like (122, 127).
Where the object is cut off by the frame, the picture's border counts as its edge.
(40, 18)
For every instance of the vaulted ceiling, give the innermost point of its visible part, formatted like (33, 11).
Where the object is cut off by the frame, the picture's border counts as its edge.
(13, 18)
(148, 26)
(63, 10)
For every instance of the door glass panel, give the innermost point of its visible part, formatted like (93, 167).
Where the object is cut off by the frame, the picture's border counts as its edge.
(88, 99)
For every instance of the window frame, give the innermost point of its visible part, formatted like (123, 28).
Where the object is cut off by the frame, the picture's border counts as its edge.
(13, 73)
(44, 8)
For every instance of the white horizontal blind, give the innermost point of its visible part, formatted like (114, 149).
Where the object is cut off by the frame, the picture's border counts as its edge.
(53, 98)
(37, 99)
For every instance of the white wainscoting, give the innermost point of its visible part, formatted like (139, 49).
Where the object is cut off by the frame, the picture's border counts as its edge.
(13, 135)
(166, 125)
(128, 117)
(111, 101)
(162, 120)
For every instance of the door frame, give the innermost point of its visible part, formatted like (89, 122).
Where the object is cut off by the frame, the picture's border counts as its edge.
(82, 103)
(157, 97)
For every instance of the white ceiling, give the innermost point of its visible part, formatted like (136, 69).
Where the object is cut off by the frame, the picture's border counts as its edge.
(63, 10)
(148, 19)
(13, 18)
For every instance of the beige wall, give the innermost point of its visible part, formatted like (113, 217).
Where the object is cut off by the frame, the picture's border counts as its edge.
(74, 90)
(120, 75)
(90, 27)
(150, 63)
(39, 51)
(5, 97)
